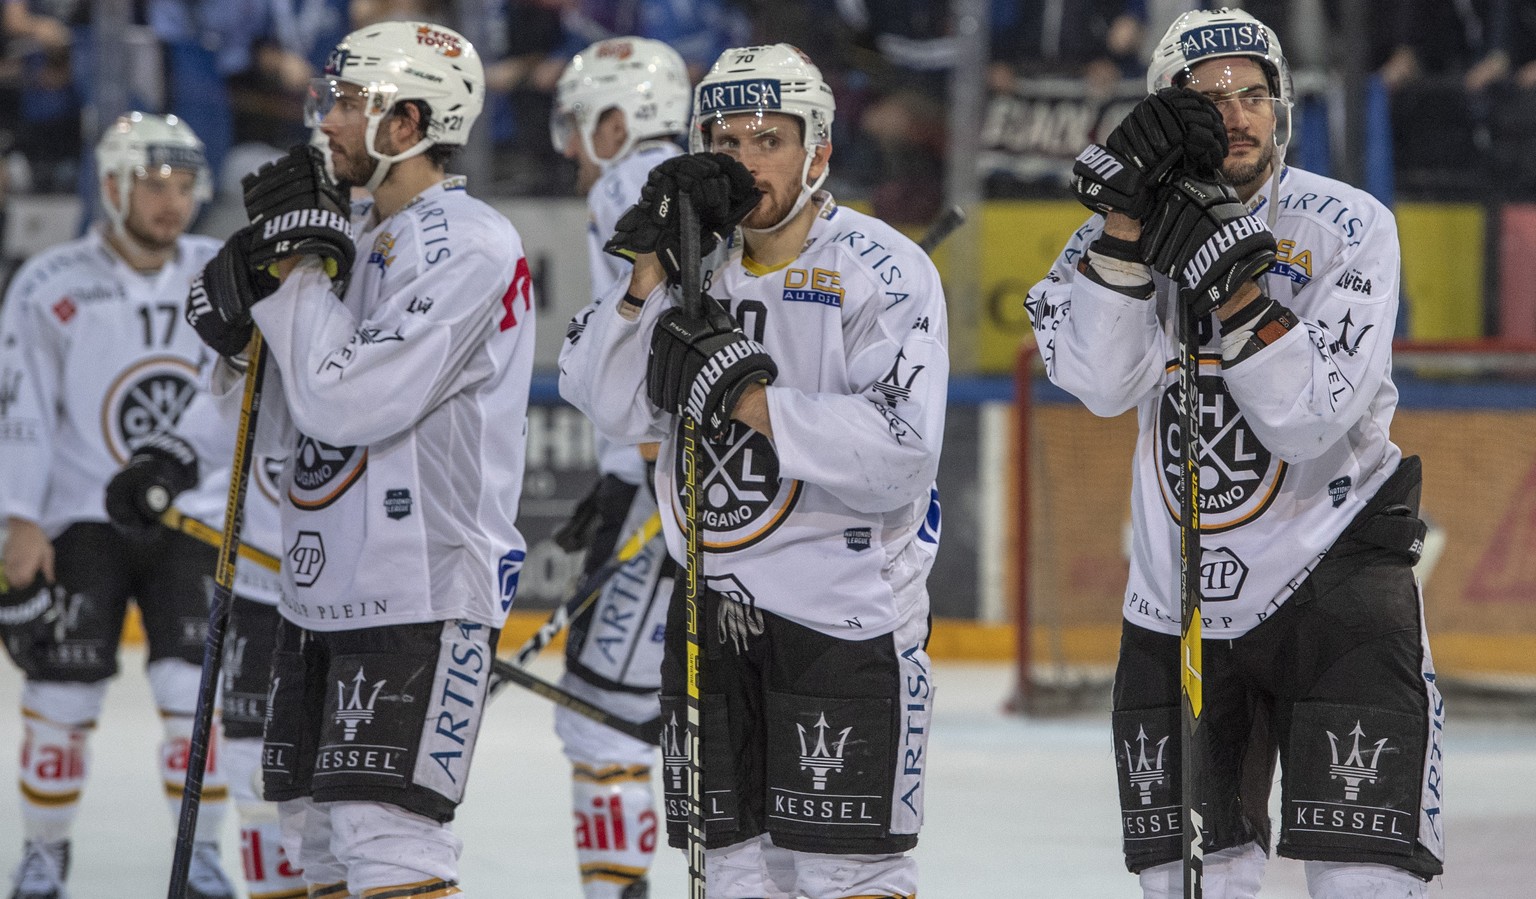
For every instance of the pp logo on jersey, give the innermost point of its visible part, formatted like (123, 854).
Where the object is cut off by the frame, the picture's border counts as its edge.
(741, 497)
(1222, 574)
(149, 396)
(1239, 476)
(306, 558)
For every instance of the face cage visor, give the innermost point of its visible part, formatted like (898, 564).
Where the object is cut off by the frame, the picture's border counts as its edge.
(372, 100)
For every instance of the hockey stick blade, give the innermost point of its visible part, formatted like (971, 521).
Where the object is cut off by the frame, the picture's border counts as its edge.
(505, 672)
(952, 218)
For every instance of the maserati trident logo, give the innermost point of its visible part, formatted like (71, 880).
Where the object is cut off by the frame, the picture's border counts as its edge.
(354, 710)
(1144, 771)
(820, 759)
(1354, 769)
(676, 748)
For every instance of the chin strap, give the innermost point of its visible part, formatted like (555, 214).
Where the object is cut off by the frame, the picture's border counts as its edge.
(806, 192)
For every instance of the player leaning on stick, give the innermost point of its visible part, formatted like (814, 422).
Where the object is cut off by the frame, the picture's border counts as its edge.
(1315, 638)
(95, 366)
(398, 395)
(620, 106)
(819, 377)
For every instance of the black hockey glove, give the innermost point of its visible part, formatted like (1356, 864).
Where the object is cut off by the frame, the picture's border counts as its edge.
(219, 303)
(162, 467)
(1173, 131)
(1203, 237)
(27, 617)
(296, 209)
(723, 192)
(700, 366)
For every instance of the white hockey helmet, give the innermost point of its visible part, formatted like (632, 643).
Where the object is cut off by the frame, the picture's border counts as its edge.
(769, 78)
(1210, 34)
(141, 143)
(395, 61)
(763, 79)
(643, 78)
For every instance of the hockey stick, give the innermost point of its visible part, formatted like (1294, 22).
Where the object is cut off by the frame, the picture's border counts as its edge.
(200, 530)
(504, 672)
(1191, 679)
(952, 218)
(585, 594)
(218, 618)
(692, 301)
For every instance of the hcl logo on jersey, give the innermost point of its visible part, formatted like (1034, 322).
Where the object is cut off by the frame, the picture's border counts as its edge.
(739, 96)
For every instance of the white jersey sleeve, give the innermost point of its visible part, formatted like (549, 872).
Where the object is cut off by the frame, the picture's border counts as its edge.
(1294, 439)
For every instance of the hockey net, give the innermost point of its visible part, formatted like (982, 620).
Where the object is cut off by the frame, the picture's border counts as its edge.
(1467, 408)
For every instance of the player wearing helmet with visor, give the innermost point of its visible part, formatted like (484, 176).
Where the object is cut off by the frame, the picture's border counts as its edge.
(153, 178)
(397, 357)
(822, 327)
(1312, 640)
(98, 370)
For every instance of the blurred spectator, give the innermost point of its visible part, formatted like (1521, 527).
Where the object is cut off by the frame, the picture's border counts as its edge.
(288, 44)
(42, 116)
(369, 12)
(905, 51)
(1099, 40)
(699, 30)
(523, 60)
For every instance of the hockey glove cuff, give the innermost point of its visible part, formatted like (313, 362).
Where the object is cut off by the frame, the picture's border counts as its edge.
(220, 300)
(1203, 237)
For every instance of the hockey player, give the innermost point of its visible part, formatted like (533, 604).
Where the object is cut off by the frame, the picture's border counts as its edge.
(136, 498)
(821, 371)
(95, 364)
(1315, 645)
(397, 397)
(620, 107)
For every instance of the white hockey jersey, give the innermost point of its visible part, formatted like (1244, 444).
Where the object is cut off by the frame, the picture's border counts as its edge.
(94, 356)
(1293, 440)
(401, 414)
(610, 197)
(834, 522)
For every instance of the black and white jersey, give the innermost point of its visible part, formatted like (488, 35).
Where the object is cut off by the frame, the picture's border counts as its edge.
(1293, 440)
(401, 413)
(94, 356)
(834, 522)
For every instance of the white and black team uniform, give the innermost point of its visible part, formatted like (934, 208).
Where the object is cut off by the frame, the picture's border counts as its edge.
(249, 637)
(1312, 618)
(94, 358)
(816, 546)
(401, 414)
(613, 649)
